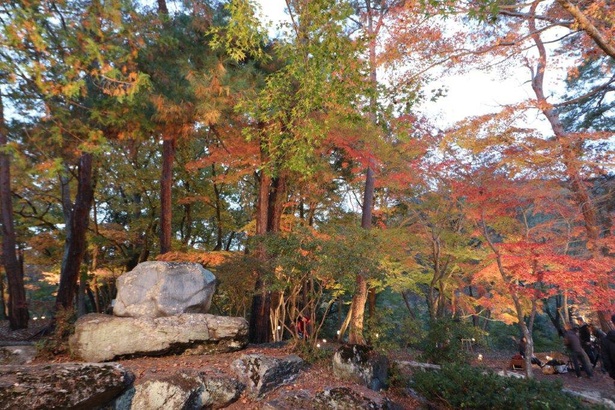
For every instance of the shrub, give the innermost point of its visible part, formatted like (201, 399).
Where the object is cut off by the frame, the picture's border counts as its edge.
(443, 341)
(313, 353)
(461, 386)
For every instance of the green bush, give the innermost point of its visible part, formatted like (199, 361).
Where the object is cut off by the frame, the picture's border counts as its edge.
(312, 354)
(443, 341)
(461, 386)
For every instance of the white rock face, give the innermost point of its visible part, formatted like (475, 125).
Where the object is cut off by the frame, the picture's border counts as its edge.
(158, 289)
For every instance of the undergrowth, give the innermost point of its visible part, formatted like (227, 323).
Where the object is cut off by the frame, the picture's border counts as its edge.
(459, 386)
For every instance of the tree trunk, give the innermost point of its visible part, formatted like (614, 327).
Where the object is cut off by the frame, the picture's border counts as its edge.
(360, 296)
(218, 202)
(261, 300)
(358, 308)
(570, 157)
(17, 304)
(76, 229)
(268, 218)
(166, 185)
(356, 321)
(3, 314)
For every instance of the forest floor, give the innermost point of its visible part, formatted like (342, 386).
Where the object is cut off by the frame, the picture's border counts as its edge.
(317, 376)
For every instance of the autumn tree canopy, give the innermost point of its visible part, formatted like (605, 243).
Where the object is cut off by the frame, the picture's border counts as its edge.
(138, 130)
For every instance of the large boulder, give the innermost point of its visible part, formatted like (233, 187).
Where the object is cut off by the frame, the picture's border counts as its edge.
(61, 386)
(182, 391)
(157, 289)
(262, 374)
(100, 338)
(361, 364)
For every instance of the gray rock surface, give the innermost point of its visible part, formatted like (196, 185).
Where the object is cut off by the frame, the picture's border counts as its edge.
(262, 374)
(157, 289)
(339, 398)
(100, 338)
(17, 354)
(362, 365)
(62, 385)
(182, 391)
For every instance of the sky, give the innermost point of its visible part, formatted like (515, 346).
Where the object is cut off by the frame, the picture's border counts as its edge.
(474, 93)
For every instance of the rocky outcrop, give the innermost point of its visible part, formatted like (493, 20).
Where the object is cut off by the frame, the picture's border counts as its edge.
(362, 365)
(157, 289)
(263, 374)
(182, 391)
(61, 386)
(100, 338)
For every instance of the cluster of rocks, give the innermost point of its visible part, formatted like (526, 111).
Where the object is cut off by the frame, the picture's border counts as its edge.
(161, 308)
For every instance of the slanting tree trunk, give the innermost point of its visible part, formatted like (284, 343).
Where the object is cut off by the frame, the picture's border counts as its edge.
(569, 149)
(166, 185)
(76, 229)
(17, 305)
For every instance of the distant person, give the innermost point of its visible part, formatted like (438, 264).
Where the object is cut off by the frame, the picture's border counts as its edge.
(608, 351)
(585, 336)
(573, 343)
(302, 327)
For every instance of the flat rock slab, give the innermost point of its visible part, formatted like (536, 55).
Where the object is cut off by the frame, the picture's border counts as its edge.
(61, 385)
(100, 338)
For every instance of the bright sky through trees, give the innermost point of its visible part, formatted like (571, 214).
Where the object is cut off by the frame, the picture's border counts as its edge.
(469, 94)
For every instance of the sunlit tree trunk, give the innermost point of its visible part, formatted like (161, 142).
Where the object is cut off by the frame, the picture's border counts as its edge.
(17, 305)
(361, 291)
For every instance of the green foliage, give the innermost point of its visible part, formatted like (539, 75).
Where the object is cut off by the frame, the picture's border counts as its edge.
(390, 327)
(459, 386)
(545, 337)
(443, 341)
(242, 35)
(313, 353)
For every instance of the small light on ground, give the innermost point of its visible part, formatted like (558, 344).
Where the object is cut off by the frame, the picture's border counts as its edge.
(318, 345)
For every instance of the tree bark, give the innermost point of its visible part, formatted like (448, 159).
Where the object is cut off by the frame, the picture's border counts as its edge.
(166, 186)
(356, 320)
(261, 300)
(570, 158)
(17, 304)
(269, 209)
(76, 229)
(586, 25)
